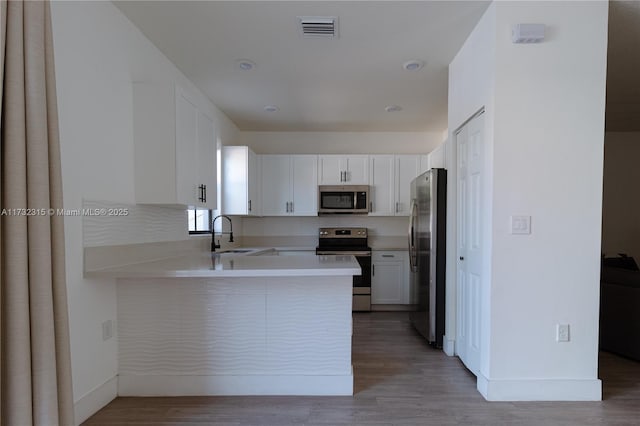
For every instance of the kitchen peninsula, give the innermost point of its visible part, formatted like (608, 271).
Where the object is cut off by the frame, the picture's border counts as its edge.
(254, 323)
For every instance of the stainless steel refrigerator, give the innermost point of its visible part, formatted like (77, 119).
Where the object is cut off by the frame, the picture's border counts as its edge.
(427, 251)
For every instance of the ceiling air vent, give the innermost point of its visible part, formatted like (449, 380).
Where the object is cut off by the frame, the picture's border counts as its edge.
(319, 26)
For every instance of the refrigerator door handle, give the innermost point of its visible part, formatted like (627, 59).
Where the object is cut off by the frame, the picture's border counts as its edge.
(412, 242)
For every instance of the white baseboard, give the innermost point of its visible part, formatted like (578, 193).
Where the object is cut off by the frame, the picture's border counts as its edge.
(540, 389)
(93, 401)
(448, 346)
(133, 385)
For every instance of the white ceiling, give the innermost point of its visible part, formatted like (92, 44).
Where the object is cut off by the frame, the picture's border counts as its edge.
(339, 84)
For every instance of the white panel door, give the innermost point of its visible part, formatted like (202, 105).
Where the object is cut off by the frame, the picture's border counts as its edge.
(304, 185)
(470, 253)
(276, 188)
(186, 143)
(407, 169)
(382, 185)
(207, 160)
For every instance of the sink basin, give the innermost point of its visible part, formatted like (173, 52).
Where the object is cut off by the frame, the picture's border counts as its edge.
(235, 251)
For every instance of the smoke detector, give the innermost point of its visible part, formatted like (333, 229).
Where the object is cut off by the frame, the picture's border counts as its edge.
(318, 26)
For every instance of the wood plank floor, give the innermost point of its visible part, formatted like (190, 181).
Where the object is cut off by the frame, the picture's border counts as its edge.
(399, 380)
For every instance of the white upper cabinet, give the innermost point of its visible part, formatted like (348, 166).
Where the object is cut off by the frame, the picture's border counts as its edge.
(343, 170)
(382, 178)
(174, 148)
(438, 157)
(304, 181)
(206, 161)
(276, 182)
(240, 181)
(407, 169)
(289, 185)
(390, 180)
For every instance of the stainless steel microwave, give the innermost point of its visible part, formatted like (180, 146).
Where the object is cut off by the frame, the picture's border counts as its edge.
(343, 199)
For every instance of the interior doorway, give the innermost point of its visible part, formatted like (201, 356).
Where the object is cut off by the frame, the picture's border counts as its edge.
(469, 141)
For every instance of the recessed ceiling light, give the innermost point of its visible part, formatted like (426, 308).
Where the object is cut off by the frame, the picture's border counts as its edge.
(413, 65)
(393, 108)
(245, 64)
(271, 108)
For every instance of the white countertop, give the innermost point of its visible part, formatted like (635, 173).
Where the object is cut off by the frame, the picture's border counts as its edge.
(250, 264)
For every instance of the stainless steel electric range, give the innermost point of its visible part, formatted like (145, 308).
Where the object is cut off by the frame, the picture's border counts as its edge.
(350, 241)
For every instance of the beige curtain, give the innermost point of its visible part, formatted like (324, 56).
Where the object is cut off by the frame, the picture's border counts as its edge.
(34, 331)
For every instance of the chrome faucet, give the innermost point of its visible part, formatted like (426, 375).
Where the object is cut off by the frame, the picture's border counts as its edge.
(214, 246)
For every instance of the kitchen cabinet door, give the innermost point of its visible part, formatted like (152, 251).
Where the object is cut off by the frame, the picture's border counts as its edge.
(276, 184)
(407, 169)
(168, 145)
(289, 185)
(343, 170)
(331, 170)
(304, 185)
(382, 185)
(241, 177)
(387, 278)
(186, 145)
(357, 170)
(206, 161)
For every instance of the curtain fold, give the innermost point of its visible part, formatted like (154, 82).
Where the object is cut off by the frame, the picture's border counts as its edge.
(36, 366)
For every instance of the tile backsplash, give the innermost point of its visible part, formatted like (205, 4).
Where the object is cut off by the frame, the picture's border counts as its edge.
(131, 224)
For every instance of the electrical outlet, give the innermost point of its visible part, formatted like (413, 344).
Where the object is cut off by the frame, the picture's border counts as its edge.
(107, 330)
(562, 332)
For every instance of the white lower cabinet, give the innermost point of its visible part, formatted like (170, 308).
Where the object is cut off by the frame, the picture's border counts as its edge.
(390, 278)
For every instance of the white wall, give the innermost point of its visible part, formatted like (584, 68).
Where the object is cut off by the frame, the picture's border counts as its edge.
(98, 53)
(545, 160)
(471, 88)
(341, 142)
(621, 200)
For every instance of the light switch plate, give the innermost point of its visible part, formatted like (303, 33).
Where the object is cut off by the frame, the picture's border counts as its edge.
(520, 225)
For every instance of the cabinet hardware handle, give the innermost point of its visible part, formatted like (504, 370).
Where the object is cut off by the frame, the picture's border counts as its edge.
(249, 205)
(370, 206)
(291, 206)
(461, 257)
(205, 194)
(287, 206)
(388, 255)
(373, 270)
(202, 197)
(397, 207)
